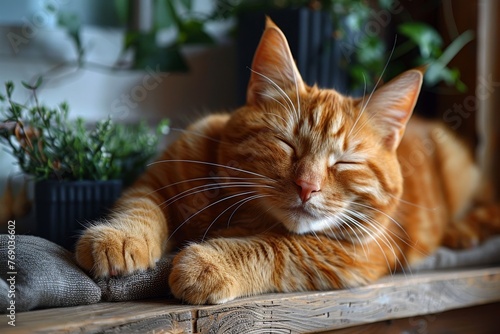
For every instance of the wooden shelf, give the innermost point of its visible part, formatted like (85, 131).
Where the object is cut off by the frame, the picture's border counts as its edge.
(393, 297)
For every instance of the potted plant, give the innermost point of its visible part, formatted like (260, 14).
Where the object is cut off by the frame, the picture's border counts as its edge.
(143, 21)
(341, 43)
(79, 170)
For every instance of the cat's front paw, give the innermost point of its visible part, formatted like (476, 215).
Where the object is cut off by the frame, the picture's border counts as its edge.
(201, 276)
(108, 251)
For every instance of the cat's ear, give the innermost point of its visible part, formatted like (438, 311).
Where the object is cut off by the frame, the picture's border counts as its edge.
(391, 106)
(273, 68)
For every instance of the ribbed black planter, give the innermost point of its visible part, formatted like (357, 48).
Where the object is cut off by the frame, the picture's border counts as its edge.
(310, 36)
(63, 207)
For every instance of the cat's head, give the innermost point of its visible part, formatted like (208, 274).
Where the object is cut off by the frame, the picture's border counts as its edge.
(330, 160)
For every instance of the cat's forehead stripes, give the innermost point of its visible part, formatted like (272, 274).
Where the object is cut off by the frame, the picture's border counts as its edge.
(326, 119)
(324, 123)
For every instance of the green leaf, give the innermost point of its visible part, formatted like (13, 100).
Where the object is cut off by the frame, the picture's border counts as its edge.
(455, 46)
(163, 127)
(438, 71)
(26, 85)
(122, 10)
(188, 4)
(424, 36)
(148, 55)
(354, 22)
(173, 13)
(50, 8)
(146, 43)
(9, 88)
(371, 50)
(191, 32)
(167, 59)
(38, 82)
(71, 22)
(163, 17)
(32, 87)
(130, 39)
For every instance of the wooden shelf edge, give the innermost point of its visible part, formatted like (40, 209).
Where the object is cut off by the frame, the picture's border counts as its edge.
(390, 298)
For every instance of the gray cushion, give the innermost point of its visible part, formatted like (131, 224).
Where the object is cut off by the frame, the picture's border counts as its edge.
(486, 254)
(150, 283)
(46, 276)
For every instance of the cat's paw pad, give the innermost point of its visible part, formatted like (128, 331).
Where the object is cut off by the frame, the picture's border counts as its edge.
(199, 276)
(107, 251)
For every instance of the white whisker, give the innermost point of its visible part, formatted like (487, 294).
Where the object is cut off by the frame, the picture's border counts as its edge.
(207, 207)
(208, 178)
(209, 187)
(371, 94)
(297, 92)
(240, 202)
(374, 238)
(289, 126)
(336, 236)
(286, 108)
(413, 204)
(383, 232)
(246, 201)
(210, 164)
(279, 90)
(362, 108)
(383, 213)
(350, 219)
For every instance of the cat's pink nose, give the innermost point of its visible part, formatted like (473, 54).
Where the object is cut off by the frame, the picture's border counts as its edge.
(306, 189)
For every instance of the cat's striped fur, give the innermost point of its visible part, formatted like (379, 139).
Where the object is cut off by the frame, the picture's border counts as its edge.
(300, 189)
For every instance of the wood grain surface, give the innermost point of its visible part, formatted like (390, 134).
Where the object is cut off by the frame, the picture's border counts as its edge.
(394, 297)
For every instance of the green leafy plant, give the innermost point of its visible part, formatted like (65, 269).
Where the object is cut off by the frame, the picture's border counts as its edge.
(48, 145)
(143, 45)
(166, 14)
(368, 52)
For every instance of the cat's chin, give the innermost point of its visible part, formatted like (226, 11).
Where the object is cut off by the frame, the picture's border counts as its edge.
(302, 222)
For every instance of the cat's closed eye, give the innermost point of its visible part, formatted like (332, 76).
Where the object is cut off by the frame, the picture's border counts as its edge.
(343, 160)
(287, 145)
(347, 162)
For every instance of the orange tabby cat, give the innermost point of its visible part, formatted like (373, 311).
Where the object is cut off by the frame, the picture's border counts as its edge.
(300, 189)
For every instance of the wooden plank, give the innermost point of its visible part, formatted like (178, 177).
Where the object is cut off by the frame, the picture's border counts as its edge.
(390, 298)
(477, 319)
(160, 316)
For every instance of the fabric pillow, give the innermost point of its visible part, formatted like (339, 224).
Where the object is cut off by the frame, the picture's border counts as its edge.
(46, 276)
(150, 283)
(486, 254)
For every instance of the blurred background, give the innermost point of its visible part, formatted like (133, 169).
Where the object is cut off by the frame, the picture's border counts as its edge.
(180, 59)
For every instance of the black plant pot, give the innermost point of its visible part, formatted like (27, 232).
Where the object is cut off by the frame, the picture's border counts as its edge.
(310, 36)
(63, 207)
